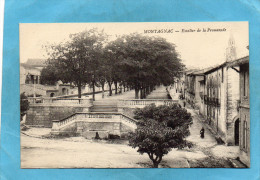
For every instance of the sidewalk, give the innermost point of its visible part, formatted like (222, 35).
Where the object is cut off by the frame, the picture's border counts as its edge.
(211, 141)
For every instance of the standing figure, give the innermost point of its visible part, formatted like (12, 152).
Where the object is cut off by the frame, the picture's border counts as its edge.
(184, 103)
(202, 131)
(97, 136)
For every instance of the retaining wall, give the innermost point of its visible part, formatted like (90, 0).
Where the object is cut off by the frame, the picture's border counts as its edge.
(42, 114)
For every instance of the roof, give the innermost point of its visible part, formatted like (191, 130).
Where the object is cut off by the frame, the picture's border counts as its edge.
(35, 63)
(211, 69)
(235, 62)
(191, 71)
(238, 62)
(197, 72)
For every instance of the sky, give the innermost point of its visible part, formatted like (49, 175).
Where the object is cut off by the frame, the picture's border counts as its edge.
(198, 49)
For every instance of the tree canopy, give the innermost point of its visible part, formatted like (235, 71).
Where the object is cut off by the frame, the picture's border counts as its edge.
(76, 61)
(49, 75)
(132, 60)
(160, 129)
(143, 61)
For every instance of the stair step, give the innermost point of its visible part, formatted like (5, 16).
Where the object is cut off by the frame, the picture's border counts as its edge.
(104, 105)
(237, 164)
(104, 108)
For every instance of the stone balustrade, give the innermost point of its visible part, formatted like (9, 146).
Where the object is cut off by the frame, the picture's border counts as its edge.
(93, 117)
(46, 100)
(140, 103)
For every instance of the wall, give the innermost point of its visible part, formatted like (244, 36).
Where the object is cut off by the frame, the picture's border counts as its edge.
(89, 127)
(24, 71)
(42, 114)
(223, 84)
(215, 87)
(197, 91)
(244, 134)
(232, 103)
(201, 101)
(49, 92)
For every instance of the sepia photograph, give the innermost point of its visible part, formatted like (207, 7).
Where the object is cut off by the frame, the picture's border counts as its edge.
(134, 95)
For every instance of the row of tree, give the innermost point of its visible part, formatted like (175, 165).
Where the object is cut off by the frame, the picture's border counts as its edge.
(134, 60)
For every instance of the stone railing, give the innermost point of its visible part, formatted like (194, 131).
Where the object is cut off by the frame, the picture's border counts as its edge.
(65, 101)
(144, 102)
(57, 125)
(129, 121)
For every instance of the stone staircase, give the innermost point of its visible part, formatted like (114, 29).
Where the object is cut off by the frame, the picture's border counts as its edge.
(87, 124)
(104, 106)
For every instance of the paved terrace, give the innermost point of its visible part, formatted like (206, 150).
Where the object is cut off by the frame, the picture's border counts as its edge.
(158, 93)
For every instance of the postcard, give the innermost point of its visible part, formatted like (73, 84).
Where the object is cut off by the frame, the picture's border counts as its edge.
(134, 95)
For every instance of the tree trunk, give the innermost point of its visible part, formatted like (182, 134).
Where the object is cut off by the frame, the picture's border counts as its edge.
(110, 88)
(103, 90)
(148, 90)
(136, 93)
(142, 93)
(79, 90)
(115, 87)
(156, 161)
(93, 93)
(155, 164)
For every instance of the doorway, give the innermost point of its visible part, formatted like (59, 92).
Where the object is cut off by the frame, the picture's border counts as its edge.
(237, 132)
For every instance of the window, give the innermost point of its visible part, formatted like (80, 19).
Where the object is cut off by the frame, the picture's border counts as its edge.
(245, 134)
(244, 83)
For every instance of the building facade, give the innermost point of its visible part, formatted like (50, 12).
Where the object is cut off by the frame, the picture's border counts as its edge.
(193, 87)
(30, 72)
(244, 108)
(221, 96)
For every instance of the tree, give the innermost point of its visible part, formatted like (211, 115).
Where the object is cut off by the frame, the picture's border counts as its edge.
(24, 105)
(49, 75)
(75, 61)
(159, 130)
(113, 55)
(143, 62)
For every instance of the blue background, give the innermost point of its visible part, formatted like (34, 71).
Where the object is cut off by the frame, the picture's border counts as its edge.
(57, 11)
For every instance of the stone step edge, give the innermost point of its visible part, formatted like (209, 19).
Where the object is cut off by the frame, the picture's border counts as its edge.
(236, 163)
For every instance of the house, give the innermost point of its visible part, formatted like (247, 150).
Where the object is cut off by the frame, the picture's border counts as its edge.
(221, 97)
(192, 87)
(30, 72)
(242, 67)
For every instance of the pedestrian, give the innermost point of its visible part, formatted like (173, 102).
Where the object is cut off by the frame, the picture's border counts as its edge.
(184, 103)
(97, 136)
(202, 131)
